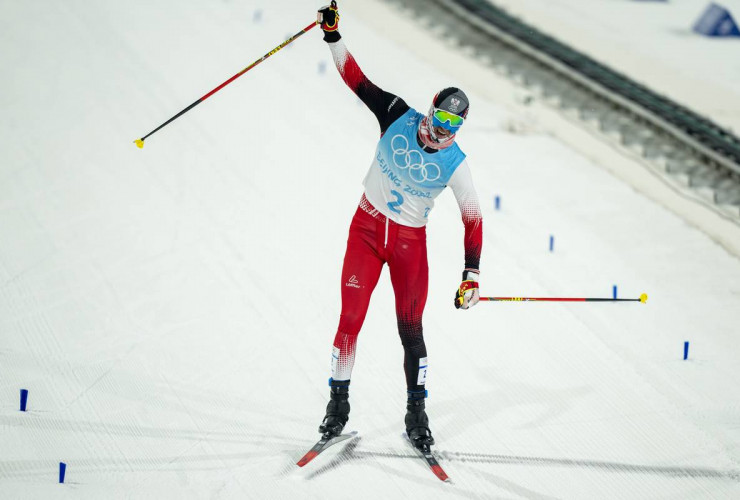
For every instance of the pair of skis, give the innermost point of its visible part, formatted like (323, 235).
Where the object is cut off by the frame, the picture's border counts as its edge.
(424, 451)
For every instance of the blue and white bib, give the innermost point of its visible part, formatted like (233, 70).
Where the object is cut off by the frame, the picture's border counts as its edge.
(403, 179)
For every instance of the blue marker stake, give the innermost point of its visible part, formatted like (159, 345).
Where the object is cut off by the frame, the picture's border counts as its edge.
(62, 472)
(322, 67)
(497, 202)
(686, 350)
(257, 16)
(614, 291)
(24, 399)
(552, 242)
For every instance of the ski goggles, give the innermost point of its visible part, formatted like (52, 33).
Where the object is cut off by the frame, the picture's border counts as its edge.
(447, 120)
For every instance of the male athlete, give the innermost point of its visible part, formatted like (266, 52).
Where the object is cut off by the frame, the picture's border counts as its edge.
(416, 158)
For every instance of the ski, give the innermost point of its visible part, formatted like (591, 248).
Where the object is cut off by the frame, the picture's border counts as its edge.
(425, 452)
(322, 444)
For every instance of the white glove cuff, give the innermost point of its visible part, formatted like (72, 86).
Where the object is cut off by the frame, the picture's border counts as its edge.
(470, 275)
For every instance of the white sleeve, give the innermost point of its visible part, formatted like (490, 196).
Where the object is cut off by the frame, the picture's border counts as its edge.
(462, 186)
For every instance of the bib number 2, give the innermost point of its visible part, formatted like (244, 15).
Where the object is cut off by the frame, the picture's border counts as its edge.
(394, 205)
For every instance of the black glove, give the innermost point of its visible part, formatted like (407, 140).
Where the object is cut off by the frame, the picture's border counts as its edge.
(328, 18)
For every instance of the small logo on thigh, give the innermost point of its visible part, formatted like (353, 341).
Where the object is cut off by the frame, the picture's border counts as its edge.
(353, 282)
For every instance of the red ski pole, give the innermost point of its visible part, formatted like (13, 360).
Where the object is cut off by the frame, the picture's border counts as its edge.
(643, 298)
(140, 142)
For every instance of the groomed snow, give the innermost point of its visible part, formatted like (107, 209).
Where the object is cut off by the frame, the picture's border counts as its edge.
(653, 43)
(171, 309)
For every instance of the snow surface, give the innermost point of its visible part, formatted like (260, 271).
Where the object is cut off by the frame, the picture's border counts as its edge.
(171, 310)
(652, 42)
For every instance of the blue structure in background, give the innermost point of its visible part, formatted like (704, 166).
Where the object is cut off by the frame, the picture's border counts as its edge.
(716, 21)
(62, 472)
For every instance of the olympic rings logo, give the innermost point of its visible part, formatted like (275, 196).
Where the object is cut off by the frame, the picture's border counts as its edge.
(414, 161)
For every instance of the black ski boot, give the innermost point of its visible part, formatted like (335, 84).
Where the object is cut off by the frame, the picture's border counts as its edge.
(417, 422)
(337, 411)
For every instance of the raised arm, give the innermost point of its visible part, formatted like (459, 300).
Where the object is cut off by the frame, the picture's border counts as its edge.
(386, 107)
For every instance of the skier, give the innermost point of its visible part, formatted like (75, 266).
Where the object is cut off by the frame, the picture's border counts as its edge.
(416, 158)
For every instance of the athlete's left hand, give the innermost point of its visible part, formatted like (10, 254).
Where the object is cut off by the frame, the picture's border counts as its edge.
(467, 294)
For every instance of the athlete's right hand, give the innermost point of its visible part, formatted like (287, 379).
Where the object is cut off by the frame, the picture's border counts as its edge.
(328, 17)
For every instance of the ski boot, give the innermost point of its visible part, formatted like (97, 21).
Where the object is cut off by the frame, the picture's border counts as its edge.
(417, 422)
(337, 411)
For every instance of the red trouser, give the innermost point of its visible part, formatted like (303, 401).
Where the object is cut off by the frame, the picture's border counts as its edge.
(374, 240)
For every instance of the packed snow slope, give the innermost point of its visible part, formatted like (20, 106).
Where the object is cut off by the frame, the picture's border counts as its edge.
(171, 310)
(653, 43)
